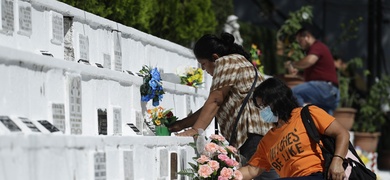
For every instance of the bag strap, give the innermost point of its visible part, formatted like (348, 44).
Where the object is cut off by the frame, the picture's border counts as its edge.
(309, 124)
(232, 139)
(314, 134)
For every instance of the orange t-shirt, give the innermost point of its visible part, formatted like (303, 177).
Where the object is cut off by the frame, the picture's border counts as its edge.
(288, 149)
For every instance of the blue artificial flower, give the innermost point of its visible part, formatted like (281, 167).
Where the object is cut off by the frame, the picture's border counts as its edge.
(145, 98)
(154, 84)
(151, 87)
(155, 74)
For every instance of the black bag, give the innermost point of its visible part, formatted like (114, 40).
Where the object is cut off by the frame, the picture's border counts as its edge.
(353, 165)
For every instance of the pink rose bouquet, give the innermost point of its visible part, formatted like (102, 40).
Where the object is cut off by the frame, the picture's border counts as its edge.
(216, 161)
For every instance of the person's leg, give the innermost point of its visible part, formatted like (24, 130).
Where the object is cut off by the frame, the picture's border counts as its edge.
(300, 92)
(314, 176)
(319, 93)
(248, 149)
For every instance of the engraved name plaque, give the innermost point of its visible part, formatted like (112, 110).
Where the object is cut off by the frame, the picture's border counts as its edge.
(107, 61)
(100, 166)
(117, 120)
(58, 111)
(48, 126)
(75, 104)
(25, 23)
(117, 51)
(56, 23)
(128, 167)
(7, 16)
(83, 47)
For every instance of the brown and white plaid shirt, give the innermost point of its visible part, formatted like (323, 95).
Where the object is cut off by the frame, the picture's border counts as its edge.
(238, 73)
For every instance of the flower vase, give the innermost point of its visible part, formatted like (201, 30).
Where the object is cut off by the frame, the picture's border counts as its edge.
(162, 131)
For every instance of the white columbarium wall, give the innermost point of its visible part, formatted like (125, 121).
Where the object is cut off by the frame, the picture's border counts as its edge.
(68, 93)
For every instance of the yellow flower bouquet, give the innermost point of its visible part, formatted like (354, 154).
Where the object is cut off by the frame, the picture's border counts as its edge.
(161, 118)
(192, 77)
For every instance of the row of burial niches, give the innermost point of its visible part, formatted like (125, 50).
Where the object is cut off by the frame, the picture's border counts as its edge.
(27, 26)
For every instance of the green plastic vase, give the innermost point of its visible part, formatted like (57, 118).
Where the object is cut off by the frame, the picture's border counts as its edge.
(162, 131)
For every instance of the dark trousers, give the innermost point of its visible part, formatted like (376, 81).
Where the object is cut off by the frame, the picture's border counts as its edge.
(315, 176)
(248, 149)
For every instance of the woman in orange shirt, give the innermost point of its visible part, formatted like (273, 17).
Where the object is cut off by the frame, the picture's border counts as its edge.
(287, 147)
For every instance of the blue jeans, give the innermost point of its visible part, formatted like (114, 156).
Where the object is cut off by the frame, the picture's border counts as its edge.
(319, 93)
(248, 149)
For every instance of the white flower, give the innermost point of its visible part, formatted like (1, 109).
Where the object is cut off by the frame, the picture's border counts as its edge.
(305, 15)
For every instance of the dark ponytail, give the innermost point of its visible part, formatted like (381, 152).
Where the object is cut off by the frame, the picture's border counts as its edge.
(209, 44)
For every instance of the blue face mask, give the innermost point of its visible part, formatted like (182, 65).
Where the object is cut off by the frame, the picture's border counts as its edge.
(267, 115)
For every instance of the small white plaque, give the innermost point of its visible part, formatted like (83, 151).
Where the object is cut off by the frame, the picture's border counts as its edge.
(107, 61)
(56, 22)
(9, 124)
(164, 168)
(188, 104)
(100, 166)
(117, 121)
(75, 104)
(128, 167)
(83, 47)
(139, 120)
(7, 16)
(25, 23)
(183, 159)
(58, 111)
(117, 51)
(48, 126)
(30, 124)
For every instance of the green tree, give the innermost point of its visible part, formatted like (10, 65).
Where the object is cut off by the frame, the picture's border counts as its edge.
(222, 9)
(179, 21)
(286, 33)
(264, 38)
(184, 21)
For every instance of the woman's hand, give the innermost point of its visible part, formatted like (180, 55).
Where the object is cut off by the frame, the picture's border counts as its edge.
(250, 172)
(176, 126)
(336, 169)
(188, 132)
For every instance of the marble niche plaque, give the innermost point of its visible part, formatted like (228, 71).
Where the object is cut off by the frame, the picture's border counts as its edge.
(139, 121)
(7, 17)
(117, 113)
(50, 127)
(128, 166)
(134, 128)
(10, 124)
(164, 168)
(56, 25)
(29, 124)
(100, 166)
(25, 22)
(102, 121)
(117, 51)
(83, 47)
(107, 61)
(58, 114)
(188, 105)
(75, 112)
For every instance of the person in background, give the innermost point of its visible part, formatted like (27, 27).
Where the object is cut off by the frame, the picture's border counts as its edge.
(321, 82)
(233, 75)
(286, 147)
